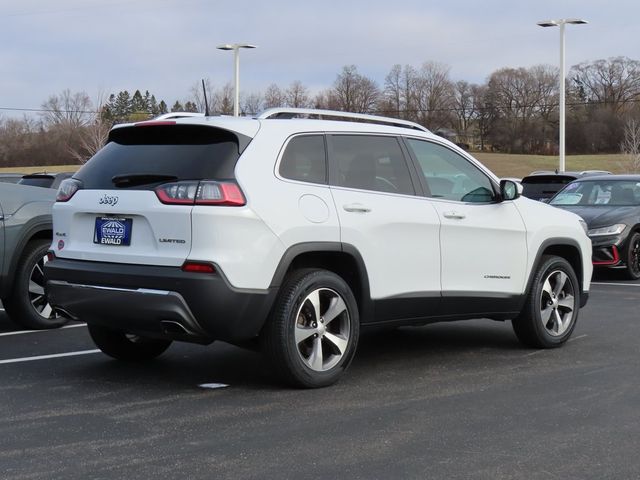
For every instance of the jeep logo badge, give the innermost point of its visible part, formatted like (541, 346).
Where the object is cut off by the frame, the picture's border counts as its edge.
(108, 200)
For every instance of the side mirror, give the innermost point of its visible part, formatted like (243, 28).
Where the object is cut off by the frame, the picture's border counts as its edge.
(510, 190)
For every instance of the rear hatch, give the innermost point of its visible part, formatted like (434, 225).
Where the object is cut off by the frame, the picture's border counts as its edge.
(132, 202)
(542, 187)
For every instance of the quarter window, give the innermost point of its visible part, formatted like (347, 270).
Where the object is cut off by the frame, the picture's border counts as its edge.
(449, 175)
(304, 159)
(370, 163)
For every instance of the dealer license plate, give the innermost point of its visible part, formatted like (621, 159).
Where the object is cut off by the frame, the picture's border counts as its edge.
(113, 231)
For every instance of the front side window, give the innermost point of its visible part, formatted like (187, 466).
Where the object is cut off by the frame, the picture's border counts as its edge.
(304, 159)
(370, 162)
(449, 175)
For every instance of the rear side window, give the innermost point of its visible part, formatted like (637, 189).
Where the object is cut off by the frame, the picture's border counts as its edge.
(370, 163)
(174, 152)
(304, 159)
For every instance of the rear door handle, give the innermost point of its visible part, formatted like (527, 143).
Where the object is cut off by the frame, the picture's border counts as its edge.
(453, 214)
(356, 207)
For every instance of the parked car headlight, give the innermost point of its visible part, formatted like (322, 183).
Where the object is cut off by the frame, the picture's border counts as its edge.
(616, 229)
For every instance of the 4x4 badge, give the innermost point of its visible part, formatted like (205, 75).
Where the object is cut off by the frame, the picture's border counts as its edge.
(108, 200)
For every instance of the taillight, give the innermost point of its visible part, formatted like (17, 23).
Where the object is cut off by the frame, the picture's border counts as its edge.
(68, 189)
(220, 193)
(206, 192)
(177, 193)
(51, 256)
(198, 267)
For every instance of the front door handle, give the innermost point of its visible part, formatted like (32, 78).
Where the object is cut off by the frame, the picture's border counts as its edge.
(453, 214)
(356, 207)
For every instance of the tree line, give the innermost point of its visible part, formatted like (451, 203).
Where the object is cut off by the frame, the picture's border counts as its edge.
(514, 111)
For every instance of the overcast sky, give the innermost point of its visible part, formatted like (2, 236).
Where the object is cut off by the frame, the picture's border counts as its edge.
(166, 46)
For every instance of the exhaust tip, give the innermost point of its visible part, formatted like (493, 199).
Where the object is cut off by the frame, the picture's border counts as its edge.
(174, 328)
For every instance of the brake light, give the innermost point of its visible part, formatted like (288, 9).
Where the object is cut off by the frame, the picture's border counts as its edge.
(67, 189)
(198, 267)
(51, 256)
(206, 192)
(220, 193)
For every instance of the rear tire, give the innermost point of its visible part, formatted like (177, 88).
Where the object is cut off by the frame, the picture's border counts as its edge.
(312, 334)
(125, 346)
(27, 304)
(551, 310)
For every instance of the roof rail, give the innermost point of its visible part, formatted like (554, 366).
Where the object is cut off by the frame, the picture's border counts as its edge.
(312, 112)
(174, 115)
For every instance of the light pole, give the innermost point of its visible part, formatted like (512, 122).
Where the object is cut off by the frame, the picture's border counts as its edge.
(236, 77)
(561, 23)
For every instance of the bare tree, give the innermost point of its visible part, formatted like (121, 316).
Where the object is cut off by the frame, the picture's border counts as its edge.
(92, 136)
(197, 96)
(274, 97)
(399, 92)
(72, 109)
(433, 95)
(614, 82)
(355, 92)
(251, 104)
(223, 100)
(631, 145)
(297, 95)
(524, 99)
(464, 107)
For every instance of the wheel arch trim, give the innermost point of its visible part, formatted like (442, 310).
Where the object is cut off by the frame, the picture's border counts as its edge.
(301, 249)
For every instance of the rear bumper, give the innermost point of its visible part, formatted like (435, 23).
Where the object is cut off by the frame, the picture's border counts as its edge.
(159, 302)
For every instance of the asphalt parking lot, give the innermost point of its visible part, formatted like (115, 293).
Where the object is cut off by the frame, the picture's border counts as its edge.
(460, 400)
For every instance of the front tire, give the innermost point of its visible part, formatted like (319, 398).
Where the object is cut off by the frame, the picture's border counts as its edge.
(125, 346)
(313, 332)
(27, 304)
(633, 256)
(551, 310)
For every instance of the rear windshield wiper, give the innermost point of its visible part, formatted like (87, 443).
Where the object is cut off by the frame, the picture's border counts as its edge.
(135, 179)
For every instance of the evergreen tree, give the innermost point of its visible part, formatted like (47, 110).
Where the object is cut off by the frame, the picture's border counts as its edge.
(177, 107)
(162, 107)
(122, 107)
(153, 106)
(138, 105)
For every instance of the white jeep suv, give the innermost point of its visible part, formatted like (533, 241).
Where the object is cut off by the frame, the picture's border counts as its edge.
(296, 233)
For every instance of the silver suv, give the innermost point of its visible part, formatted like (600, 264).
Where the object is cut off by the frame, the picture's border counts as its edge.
(299, 232)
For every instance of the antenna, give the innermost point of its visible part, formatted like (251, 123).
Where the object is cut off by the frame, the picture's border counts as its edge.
(206, 102)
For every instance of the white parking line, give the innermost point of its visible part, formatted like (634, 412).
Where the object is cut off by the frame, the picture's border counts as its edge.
(617, 284)
(45, 357)
(21, 332)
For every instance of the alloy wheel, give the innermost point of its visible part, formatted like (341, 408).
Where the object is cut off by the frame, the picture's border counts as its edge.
(557, 303)
(37, 295)
(322, 329)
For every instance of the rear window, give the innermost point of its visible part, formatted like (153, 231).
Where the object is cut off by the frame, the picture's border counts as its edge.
(543, 186)
(176, 152)
(37, 181)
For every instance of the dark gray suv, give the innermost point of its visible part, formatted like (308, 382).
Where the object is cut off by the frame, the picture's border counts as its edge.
(25, 238)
